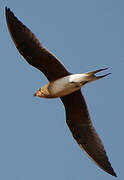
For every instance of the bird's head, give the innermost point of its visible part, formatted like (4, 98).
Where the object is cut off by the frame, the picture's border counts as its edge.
(42, 92)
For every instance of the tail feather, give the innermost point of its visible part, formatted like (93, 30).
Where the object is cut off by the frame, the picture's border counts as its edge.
(91, 76)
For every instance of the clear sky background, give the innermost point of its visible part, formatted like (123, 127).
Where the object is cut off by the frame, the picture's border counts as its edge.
(35, 142)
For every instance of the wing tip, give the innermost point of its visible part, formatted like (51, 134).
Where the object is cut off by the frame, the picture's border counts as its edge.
(7, 10)
(9, 14)
(110, 171)
(114, 174)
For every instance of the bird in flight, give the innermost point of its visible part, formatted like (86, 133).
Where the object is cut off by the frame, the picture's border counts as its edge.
(62, 84)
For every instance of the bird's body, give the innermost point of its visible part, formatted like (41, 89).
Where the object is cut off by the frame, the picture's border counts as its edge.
(67, 85)
(60, 87)
(64, 85)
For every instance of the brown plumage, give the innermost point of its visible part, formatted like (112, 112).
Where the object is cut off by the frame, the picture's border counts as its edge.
(77, 116)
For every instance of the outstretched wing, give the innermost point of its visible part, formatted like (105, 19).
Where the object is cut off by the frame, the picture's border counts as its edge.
(78, 120)
(32, 50)
(77, 115)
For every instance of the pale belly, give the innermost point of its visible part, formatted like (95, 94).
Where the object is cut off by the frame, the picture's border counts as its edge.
(63, 86)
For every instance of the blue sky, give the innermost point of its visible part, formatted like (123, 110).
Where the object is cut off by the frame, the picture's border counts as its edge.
(35, 142)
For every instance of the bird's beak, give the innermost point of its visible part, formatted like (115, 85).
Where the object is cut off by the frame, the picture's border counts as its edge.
(35, 94)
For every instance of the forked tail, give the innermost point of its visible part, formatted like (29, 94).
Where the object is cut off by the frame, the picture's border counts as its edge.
(91, 76)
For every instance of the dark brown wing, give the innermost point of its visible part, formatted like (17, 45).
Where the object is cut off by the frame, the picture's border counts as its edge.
(79, 122)
(32, 50)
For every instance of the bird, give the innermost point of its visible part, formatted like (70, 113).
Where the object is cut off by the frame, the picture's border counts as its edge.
(64, 85)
